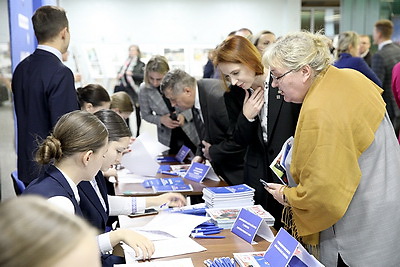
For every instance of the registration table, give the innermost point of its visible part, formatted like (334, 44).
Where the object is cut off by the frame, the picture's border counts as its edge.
(216, 248)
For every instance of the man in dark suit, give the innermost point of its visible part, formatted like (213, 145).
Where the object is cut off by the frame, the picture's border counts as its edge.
(43, 87)
(365, 45)
(205, 98)
(382, 64)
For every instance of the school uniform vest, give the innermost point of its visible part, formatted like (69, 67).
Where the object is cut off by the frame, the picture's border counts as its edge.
(92, 209)
(52, 184)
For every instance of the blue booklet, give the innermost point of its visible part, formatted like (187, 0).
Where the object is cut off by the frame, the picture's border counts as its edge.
(172, 188)
(197, 172)
(241, 189)
(163, 182)
(247, 225)
(180, 156)
(285, 250)
(164, 168)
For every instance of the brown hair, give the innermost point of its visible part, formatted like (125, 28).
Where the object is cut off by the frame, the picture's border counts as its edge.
(238, 49)
(94, 94)
(77, 131)
(157, 64)
(48, 22)
(115, 124)
(35, 233)
(121, 101)
(385, 27)
(258, 36)
(137, 49)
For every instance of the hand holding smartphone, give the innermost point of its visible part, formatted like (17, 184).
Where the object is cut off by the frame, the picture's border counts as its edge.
(265, 184)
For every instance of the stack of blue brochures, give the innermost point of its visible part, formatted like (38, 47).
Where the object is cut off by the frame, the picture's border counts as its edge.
(229, 196)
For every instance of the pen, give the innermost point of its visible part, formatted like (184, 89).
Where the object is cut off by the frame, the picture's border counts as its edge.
(229, 262)
(164, 205)
(170, 173)
(208, 263)
(209, 236)
(224, 262)
(206, 224)
(207, 230)
(206, 233)
(218, 263)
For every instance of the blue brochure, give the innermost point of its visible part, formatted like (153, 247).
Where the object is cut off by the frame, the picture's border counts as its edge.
(240, 189)
(281, 249)
(182, 153)
(164, 168)
(163, 181)
(197, 172)
(179, 157)
(285, 250)
(166, 159)
(172, 188)
(247, 225)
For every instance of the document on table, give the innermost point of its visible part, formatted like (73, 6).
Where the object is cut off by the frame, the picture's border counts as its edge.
(174, 224)
(186, 262)
(126, 176)
(166, 248)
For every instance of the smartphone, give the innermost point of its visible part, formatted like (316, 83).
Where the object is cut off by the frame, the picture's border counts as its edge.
(264, 182)
(173, 116)
(145, 213)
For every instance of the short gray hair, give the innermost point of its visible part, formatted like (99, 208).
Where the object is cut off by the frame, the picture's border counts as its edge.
(176, 80)
(299, 49)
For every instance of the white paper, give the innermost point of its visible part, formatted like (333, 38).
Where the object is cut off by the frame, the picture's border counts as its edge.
(175, 224)
(139, 160)
(166, 248)
(186, 262)
(265, 232)
(126, 176)
(153, 147)
(127, 222)
(211, 173)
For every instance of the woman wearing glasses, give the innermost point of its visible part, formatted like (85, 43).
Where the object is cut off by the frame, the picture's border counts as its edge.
(345, 158)
(261, 119)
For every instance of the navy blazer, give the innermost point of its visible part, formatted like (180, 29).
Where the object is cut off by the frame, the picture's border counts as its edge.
(227, 156)
(92, 209)
(357, 63)
(52, 184)
(44, 90)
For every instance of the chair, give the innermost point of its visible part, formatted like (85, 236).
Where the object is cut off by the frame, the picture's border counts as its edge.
(19, 186)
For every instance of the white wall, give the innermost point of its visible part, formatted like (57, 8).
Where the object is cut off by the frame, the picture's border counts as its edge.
(176, 21)
(110, 26)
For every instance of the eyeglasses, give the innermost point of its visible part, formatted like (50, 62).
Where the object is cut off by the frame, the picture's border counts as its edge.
(279, 77)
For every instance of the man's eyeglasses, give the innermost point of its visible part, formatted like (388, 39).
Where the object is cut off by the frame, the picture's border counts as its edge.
(279, 77)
